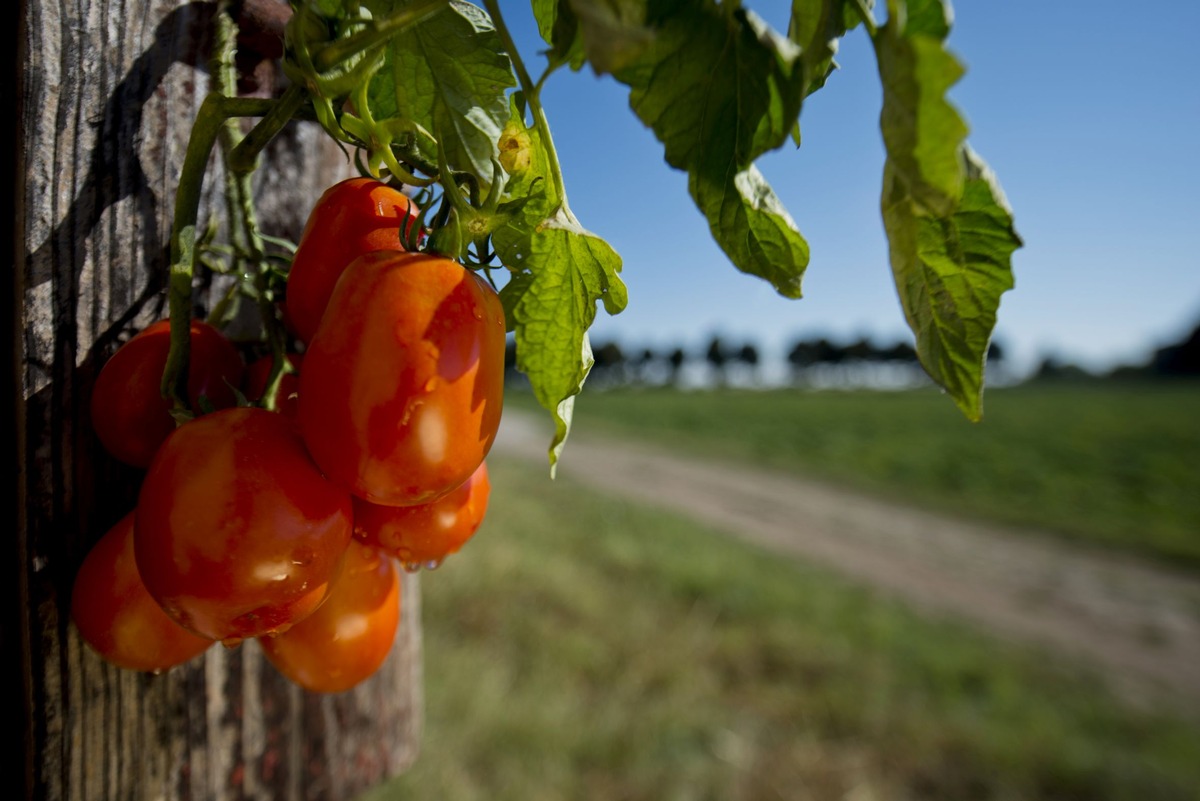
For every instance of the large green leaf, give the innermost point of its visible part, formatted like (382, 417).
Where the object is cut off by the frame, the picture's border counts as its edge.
(950, 232)
(609, 34)
(716, 88)
(720, 88)
(922, 131)
(816, 26)
(450, 75)
(950, 272)
(560, 272)
(752, 226)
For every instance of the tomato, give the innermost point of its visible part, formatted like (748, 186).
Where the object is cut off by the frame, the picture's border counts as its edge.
(256, 383)
(129, 413)
(426, 533)
(118, 618)
(238, 534)
(403, 383)
(353, 217)
(350, 636)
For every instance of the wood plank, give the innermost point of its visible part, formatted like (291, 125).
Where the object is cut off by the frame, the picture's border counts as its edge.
(108, 92)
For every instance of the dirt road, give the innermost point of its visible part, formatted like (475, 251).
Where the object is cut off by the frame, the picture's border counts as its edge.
(1137, 625)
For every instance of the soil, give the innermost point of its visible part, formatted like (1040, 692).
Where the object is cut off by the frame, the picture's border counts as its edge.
(1135, 624)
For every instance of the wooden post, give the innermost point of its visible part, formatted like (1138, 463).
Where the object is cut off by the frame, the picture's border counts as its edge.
(105, 94)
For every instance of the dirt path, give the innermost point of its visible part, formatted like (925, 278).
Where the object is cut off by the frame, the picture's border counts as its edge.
(1138, 625)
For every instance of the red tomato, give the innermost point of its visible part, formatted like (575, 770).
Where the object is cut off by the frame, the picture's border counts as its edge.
(402, 385)
(428, 533)
(238, 534)
(353, 217)
(129, 413)
(350, 636)
(256, 383)
(116, 615)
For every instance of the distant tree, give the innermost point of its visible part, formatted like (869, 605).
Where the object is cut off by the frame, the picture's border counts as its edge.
(1055, 369)
(900, 352)
(609, 366)
(861, 351)
(1180, 359)
(675, 360)
(747, 355)
(641, 365)
(716, 357)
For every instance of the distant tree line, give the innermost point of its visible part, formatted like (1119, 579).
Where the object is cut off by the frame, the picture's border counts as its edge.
(1177, 360)
(722, 363)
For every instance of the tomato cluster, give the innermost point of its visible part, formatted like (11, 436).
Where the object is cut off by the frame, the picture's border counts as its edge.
(286, 525)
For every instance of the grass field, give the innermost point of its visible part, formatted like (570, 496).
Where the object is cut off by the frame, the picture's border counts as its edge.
(584, 648)
(1110, 463)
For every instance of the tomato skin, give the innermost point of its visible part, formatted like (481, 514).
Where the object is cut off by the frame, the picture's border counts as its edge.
(256, 383)
(403, 384)
(129, 413)
(356, 216)
(238, 534)
(118, 618)
(427, 532)
(346, 640)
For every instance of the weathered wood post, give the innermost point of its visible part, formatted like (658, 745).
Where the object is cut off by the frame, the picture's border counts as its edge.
(106, 93)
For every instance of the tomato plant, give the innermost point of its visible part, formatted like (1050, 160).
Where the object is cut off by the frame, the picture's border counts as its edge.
(356, 216)
(245, 515)
(118, 618)
(129, 413)
(403, 383)
(348, 638)
(238, 534)
(427, 533)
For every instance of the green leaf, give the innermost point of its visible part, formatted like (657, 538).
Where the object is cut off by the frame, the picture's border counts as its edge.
(719, 89)
(449, 75)
(950, 271)
(922, 131)
(816, 26)
(560, 271)
(560, 29)
(716, 87)
(752, 227)
(613, 33)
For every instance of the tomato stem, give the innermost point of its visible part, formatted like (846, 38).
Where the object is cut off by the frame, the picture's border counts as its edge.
(533, 98)
(214, 121)
(244, 155)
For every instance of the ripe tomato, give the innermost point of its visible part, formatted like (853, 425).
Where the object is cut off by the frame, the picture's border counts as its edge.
(403, 383)
(353, 217)
(129, 413)
(116, 615)
(350, 636)
(429, 532)
(256, 383)
(238, 534)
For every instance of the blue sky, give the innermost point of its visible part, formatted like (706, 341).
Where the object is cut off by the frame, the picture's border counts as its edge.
(1088, 112)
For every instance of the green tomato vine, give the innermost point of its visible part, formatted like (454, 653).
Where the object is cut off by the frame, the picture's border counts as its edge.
(435, 95)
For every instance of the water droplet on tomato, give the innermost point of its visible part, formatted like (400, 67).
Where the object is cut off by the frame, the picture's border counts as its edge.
(232, 642)
(412, 567)
(157, 672)
(433, 564)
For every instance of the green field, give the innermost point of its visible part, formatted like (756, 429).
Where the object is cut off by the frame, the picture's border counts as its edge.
(1111, 463)
(584, 648)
